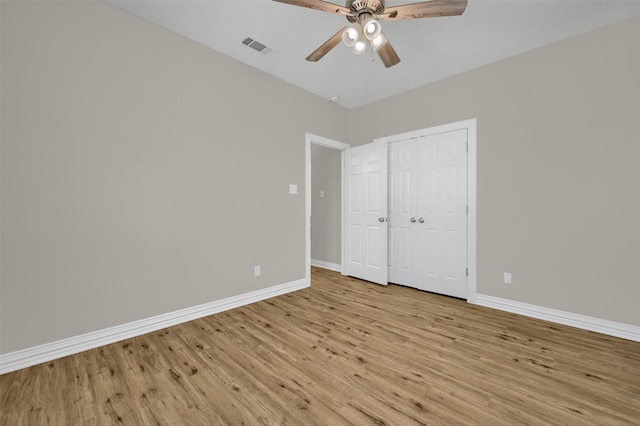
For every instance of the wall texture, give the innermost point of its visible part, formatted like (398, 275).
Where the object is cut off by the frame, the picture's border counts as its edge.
(141, 173)
(558, 168)
(325, 211)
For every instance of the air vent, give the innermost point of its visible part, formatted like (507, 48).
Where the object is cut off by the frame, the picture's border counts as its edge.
(257, 46)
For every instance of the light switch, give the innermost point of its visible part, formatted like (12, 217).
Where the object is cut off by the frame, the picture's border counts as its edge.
(321, 194)
(507, 278)
(293, 188)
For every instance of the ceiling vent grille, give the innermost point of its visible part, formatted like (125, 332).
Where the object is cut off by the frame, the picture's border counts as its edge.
(257, 46)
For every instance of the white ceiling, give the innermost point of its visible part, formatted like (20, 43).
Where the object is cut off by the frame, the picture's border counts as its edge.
(430, 49)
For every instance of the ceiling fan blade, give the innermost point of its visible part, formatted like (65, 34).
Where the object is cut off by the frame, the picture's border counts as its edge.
(425, 9)
(388, 55)
(317, 54)
(323, 6)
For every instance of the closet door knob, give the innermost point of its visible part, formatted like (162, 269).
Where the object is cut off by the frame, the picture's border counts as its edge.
(421, 220)
(412, 220)
(381, 219)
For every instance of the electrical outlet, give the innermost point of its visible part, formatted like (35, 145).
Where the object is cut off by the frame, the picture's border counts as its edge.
(507, 277)
(256, 271)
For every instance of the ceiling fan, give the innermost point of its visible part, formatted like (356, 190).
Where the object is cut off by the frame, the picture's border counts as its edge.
(364, 16)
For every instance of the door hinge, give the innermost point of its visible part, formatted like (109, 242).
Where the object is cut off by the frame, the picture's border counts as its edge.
(467, 146)
(467, 208)
(467, 271)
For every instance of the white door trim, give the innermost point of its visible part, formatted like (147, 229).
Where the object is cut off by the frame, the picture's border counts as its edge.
(471, 126)
(310, 138)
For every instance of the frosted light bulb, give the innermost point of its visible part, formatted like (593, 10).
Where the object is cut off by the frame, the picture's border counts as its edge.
(371, 28)
(378, 41)
(359, 47)
(350, 36)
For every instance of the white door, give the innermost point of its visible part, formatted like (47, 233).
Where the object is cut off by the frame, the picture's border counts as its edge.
(402, 211)
(442, 213)
(429, 209)
(366, 212)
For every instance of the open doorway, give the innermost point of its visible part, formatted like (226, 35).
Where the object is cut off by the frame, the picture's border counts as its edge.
(324, 200)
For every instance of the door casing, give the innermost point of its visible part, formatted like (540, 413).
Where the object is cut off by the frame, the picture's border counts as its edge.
(330, 143)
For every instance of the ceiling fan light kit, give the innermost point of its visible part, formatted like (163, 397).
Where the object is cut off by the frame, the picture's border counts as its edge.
(367, 28)
(364, 16)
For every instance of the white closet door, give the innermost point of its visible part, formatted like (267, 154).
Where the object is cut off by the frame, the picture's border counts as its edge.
(427, 213)
(402, 211)
(442, 213)
(366, 212)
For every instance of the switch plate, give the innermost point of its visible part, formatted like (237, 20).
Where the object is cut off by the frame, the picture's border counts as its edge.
(293, 188)
(507, 277)
(256, 271)
(321, 194)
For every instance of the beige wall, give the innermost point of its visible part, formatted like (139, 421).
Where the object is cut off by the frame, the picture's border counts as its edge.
(325, 211)
(141, 172)
(558, 168)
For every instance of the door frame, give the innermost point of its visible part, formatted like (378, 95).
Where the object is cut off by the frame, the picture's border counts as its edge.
(330, 143)
(471, 126)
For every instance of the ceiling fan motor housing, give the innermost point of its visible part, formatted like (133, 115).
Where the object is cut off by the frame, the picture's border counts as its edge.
(358, 7)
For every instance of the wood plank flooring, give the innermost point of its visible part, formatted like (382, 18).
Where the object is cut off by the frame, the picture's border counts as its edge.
(341, 352)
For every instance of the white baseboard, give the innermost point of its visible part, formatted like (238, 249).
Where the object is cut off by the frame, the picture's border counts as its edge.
(326, 265)
(49, 351)
(598, 325)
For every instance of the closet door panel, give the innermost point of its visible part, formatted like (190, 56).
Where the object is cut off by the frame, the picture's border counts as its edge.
(402, 203)
(442, 200)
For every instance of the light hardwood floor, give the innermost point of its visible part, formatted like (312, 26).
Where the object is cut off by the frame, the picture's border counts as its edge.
(341, 352)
